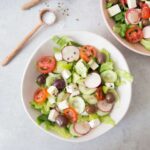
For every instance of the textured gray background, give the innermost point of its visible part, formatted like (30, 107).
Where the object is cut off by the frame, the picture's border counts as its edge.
(16, 130)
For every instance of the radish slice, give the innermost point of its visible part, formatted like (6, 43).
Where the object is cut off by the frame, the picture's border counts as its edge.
(82, 128)
(93, 80)
(70, 53)
(104, 106)
(146, 32)
(133, 16)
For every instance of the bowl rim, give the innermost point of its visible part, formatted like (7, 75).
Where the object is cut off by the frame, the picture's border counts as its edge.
(118, 39)
(23, 76)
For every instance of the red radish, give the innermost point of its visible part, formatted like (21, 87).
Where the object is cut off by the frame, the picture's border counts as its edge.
(104, 106)
(93, 80)
(70, 53)
(82, 128)
(133, 16)
(146, 32)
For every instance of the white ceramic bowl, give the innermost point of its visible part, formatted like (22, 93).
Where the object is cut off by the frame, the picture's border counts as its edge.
(28, 83)
(137, 48)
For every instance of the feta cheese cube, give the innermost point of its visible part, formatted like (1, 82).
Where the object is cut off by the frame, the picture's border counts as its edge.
(94, 123)
(63, 105)
(75, 93)
(71, 88)
(52, 90)
(93, 65)
(110, 85)
(84, 113)
(52, 115)
(52, 100)
(132, 3)
(114, 10)
(66, 74)
(58, 56)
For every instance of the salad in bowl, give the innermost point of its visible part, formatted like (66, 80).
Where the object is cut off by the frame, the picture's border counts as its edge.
(132, 20)
(77, 88)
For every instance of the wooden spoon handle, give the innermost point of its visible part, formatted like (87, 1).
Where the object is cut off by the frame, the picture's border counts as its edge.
(20, 46)
(30, 4)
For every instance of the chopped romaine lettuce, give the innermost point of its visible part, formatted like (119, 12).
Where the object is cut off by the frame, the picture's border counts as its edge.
(42, 118)
(119, 17)
(106, 66)
(62, 65)
(62, 131)
(123, 77)
(107, 120)
(104, 51)
(120, 29)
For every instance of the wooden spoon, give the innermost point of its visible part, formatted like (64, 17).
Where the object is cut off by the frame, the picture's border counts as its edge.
(42, 15)
(30, 4)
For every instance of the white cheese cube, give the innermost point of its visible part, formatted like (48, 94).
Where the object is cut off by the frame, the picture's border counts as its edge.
(52, 115)
(58, 56)
(148, 3)
(52, 100)
(66, 74)
(114, 10)
(94, 123)
(75, 93)
(93, 65)
(110, 85)
(52, 90)
(71, 88)
(132, 3)
(84, 113)
(63, 105)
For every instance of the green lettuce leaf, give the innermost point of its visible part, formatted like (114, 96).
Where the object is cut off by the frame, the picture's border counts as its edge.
(107, 120)
(106, 66)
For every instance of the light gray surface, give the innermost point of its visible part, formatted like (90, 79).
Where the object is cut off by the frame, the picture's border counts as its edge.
(16, 130)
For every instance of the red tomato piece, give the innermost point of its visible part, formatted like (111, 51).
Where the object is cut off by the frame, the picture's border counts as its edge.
(87, 52)
(134, 34)
(40, 95)
(71, 114)
(46, 64)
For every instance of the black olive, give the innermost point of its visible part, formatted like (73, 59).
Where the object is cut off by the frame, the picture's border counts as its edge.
(41, 79)
(59, 84)
(110, 97)
(61, 120)
(90, 109)
(101, 58)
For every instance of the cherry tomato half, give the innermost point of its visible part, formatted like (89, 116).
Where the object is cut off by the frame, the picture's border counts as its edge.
(99, 94)
(71, 114)
(40, 95)
(46, 64)
(134, 34)
(145, 12)
(87, 52)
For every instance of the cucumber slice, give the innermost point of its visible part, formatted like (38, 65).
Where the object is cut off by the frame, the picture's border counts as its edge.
(72, 131)
(101, 113)
(91, 99)
(81, 69)
(77, 103)
(51, 78)
(62, 96)
(109, 76)
(85, 90)
(62, 65)
(76, 77)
